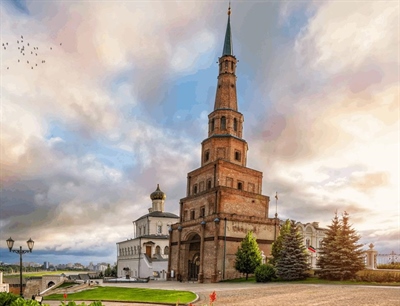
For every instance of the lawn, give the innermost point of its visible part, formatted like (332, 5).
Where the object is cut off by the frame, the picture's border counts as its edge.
(41, 273)
(128, 294)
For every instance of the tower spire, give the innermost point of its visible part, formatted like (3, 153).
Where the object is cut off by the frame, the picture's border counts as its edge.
(228, 48)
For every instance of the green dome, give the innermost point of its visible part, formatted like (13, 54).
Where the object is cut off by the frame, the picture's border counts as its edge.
(158, 194)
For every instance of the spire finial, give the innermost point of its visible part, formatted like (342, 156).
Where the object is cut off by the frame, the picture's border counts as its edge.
(228, 48)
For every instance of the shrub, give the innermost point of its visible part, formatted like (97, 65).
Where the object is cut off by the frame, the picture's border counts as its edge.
(395, 266)
(378, 276)
(265, 273)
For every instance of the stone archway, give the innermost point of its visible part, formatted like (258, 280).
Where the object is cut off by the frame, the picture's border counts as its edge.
(50, 284)
(193, 257)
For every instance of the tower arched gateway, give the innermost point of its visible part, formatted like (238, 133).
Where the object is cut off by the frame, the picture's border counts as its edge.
(224, 198)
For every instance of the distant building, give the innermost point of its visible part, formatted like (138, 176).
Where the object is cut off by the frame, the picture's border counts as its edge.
(313, 236)
(146, 255)
(3, 287)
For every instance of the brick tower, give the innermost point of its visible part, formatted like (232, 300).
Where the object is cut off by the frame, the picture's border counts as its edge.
(223, 198)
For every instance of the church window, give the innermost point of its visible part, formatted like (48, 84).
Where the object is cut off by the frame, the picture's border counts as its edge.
(185, 215)
(158, 250)
(208, 184)
(195, 189)
(226, 64)
(202, 211)
(192, 215)
(166, 250)
(144, 230)
(237, 156)
(206, 156)
(232, 65)
(307, 242)
(223, 123)
(212, 124)
(159, 228)
(240, 185)
(235, 124)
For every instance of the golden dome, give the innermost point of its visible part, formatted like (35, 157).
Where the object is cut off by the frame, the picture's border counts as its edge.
(158, 194)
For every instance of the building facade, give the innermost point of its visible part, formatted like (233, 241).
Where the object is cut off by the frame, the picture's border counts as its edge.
(146, 255)
(224, 198)
(312, 240)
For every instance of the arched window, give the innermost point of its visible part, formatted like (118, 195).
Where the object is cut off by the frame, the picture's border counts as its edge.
(158, 250)
(212, 124)
(209, 184)
(195, 189)
(206, 156)
(166, 250)
(159, 228)
(235, 125)
(223, 123)
(307, 242)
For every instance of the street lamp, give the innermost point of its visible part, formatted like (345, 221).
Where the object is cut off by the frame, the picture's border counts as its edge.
(10, 244)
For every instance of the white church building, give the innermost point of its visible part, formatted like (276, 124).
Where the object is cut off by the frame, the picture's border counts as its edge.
(146, 255)
(312, 235)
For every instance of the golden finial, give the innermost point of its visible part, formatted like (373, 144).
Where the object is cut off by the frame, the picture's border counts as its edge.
(229, 8)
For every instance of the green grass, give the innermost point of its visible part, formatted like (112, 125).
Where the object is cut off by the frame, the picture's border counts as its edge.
(41, 273)
(127, 294)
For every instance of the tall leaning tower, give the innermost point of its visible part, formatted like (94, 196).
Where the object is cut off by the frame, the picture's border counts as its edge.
(223, 198)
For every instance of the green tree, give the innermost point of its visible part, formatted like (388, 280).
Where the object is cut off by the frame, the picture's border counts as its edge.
(292, 262)
(107, 272)
(341, 256)
(277, 245)
(248, 255)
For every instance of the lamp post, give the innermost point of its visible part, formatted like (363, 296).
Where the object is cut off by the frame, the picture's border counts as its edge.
(10, 244)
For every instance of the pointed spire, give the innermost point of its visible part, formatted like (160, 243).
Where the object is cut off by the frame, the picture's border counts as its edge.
(228, 48)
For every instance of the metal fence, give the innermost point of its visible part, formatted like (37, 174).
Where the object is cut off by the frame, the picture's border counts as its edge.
(391, 258)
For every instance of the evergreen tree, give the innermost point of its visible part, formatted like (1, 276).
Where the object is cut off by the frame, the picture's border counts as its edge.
(277, 245)
(329, 257)
(292, 261)
(342, 257)
(248, 255)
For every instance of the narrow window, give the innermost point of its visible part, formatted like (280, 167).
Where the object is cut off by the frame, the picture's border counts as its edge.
(223, 123)
(237, 156)
(212, 125)
(202, 211)
(185, 214)
(209, 184)
(159, 229)
(235, 125)
(226, 64)
(192, 215)
(195, 189)
(158, 250)
(166, 250)
(232, 66)
(307, 243)
(207, 156)
(240, 186)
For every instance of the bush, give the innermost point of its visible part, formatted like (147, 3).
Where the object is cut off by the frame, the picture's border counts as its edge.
(395, 266)
(378, 276)
(265, 273)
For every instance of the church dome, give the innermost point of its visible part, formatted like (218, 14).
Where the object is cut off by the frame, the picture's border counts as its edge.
(158, 194)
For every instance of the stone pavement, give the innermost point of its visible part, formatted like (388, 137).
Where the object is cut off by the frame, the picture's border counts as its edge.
(275, 294)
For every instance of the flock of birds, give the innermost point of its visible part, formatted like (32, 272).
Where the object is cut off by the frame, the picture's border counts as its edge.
(28, 53)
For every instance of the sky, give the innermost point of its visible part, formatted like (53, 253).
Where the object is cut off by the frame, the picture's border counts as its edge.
(117, 98)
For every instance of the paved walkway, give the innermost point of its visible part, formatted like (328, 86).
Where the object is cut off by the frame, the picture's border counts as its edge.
(233, 294)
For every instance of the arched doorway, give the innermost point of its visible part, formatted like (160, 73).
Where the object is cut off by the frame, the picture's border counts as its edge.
(50, 284)
(193, 258)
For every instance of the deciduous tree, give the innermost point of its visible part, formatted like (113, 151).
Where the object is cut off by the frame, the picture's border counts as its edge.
(248, 255)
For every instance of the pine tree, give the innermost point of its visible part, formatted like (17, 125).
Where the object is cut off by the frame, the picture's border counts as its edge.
(329, 257)
(277, 245)
(292, 262)
(341, 256)
(248, 255)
